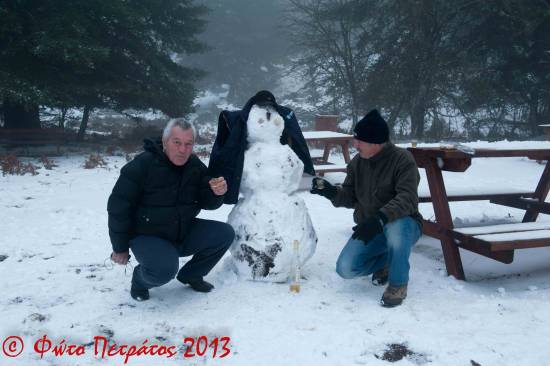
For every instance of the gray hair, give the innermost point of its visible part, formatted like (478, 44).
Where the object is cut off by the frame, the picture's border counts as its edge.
(178, 122)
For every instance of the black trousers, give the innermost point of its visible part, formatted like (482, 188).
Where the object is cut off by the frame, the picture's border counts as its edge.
(207, 242)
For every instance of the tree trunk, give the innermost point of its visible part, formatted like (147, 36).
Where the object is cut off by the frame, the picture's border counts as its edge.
(83, 123)
(394, 113)
(533, 117)
(18, 115)
(63, 117)
(417, 121)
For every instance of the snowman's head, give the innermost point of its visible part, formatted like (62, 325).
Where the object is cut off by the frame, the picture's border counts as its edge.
(264, 124)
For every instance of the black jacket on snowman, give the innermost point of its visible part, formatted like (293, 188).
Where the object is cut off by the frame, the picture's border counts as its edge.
(227, 157)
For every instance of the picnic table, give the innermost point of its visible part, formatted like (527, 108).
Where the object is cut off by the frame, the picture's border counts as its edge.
(546, 129)
(494, 241)
(329, 139)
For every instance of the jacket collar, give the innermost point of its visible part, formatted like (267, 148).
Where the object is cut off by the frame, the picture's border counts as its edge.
(386, 150)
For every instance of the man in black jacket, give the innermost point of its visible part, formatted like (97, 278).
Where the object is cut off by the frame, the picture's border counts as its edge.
(153, 208)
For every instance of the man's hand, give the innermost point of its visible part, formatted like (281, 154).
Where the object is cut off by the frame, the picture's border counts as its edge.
(218, 186)
(323, 188)
(120, 258)
(369, 228)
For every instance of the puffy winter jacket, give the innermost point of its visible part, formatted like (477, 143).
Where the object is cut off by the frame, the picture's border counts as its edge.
(154, 197)
(387, 183)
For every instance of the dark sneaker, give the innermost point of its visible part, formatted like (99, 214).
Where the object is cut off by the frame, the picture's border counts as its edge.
(137, 291)
(380, 277)
(197, 284)
(393, 296)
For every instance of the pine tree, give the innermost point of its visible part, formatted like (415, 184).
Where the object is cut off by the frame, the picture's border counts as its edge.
(93, 54)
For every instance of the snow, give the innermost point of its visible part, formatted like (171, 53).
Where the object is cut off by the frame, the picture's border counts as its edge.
(207, 98)
(55, 282)
(330, 166)
(491, 229)
(523, 235)
(346, 124)
(323, 134)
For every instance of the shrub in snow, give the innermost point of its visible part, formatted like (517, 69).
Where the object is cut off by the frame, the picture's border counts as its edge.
(94, 161)
(12, 165)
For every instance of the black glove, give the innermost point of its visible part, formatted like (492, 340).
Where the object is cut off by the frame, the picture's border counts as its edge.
(369, 228)
(323, 188)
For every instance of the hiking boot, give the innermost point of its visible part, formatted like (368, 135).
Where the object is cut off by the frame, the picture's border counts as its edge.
(393, 296)
(197, 284)
(380, 277)
(137, 291)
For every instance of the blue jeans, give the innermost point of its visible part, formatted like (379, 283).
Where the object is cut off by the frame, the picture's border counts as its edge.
(392, 248)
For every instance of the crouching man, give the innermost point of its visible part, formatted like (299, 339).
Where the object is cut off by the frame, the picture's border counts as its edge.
(153, 208)
(382, 186)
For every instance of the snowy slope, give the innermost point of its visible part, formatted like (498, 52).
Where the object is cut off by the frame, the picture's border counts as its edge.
(55, 283)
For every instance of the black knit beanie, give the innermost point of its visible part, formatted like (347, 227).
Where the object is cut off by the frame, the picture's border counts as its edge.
(372, 128)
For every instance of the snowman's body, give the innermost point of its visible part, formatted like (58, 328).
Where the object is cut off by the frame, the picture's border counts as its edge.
(269, 217)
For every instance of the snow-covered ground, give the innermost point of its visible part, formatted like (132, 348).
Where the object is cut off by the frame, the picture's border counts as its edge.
(54, 247)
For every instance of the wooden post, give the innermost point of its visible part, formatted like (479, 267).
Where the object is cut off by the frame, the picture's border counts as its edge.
(453, 263)
(540, 193)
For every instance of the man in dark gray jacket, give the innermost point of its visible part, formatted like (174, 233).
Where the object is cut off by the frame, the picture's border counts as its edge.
(382, 186)
(153, 209)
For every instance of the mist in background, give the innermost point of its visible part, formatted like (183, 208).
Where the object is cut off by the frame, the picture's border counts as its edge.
(248, 48)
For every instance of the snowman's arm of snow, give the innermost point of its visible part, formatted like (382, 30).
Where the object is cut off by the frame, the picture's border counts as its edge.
(345, 196)
(123, 201)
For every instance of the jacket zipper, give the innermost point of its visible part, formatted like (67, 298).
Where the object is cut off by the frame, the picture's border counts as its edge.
(176, 204)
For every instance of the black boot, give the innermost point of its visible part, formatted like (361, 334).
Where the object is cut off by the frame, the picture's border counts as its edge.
(197, 284)
(137, 291)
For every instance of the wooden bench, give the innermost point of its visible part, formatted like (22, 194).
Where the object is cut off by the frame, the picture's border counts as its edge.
(508, 195)
(495, 241)
(12, 138)
(328, 139)
(508, 236)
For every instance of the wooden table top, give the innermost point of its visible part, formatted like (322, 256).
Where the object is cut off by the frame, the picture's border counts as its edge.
(454, 153)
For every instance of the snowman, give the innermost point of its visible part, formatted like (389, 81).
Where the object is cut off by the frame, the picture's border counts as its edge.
(269, 216)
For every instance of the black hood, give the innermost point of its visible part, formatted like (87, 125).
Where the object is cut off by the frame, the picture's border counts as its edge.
(154, 146)
(246, 109)
(248, 106)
